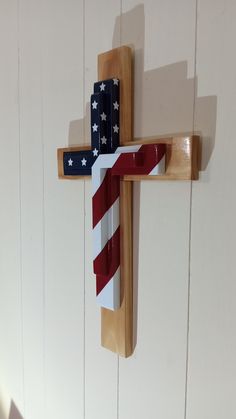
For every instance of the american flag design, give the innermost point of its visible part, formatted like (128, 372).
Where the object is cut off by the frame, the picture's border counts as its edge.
(108, 163)
(78, 163)
(148, 159)
(104, 108)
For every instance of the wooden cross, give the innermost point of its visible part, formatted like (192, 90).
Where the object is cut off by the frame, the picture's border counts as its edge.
(180, 164)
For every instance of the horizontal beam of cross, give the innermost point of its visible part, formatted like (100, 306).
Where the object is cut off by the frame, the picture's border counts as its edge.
(181, 158)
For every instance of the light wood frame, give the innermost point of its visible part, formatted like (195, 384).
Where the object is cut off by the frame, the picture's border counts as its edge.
(181, 164)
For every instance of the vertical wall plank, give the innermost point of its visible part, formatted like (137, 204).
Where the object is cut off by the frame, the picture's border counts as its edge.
(32, 201)
(152, 382)
(100, 365)
(212, 360)
(49, 63)
(11, 355)
(62, 63)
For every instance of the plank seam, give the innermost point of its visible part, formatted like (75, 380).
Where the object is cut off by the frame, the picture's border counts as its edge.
(44, 228)
(84, 232)
(20, 203)
(190, 223)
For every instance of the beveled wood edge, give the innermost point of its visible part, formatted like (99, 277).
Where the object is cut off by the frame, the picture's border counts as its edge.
(188, 168)
(117, 326)
(60, 166)
(192, 159)
(195, 157)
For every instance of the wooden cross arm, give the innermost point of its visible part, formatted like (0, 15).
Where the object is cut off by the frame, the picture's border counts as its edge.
(181, 158)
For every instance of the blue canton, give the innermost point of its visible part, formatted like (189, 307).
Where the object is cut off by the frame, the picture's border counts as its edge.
(104, 107)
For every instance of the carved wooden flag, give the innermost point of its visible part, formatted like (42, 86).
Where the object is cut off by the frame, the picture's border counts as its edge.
(108, 163)
(115, 159)
(147, 159)
(104, 107)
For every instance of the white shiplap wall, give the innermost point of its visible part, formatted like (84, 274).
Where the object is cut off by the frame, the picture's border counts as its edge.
(51, 362)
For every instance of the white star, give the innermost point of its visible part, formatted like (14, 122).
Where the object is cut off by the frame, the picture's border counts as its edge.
(103, 116)
(70, 162)
(95, 152)
(116, 128)
(116, 106)
(95, 127)
(103, 140)
(84, 161)
(102, 87)
(116, 81)
(94, 104)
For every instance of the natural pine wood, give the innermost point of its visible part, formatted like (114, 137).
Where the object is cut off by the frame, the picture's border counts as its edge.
(181, 158)
(117, 326)
(181, 164)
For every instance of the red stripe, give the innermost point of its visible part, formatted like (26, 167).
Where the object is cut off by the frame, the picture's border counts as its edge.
(153, 155)
(141, 162)
(113, 251)
(105, 196)
(100, 264)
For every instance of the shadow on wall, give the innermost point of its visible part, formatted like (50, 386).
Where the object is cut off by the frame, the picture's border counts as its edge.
(163, 97)
(13, 413)
(164, 105)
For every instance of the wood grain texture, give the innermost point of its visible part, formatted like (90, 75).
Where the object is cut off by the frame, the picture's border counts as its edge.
(181, 164)
(101, 365)
(117, 326)
(181, 158)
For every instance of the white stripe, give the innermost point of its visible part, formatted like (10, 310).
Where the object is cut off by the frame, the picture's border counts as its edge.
(109, 297)
(106, 161)
(103, 162)
(128, 149)
(97, 177)
(160, 168)
(105, 229)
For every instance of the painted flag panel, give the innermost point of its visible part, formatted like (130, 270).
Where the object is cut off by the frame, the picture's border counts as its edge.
(104, 108)
(100, 123)
(78, 162)
(111, 89)
(147, 159)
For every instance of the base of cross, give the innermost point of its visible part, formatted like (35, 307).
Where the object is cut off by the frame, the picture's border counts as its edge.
(181, 163)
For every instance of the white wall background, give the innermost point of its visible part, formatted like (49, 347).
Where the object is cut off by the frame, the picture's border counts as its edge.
(51, 362)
